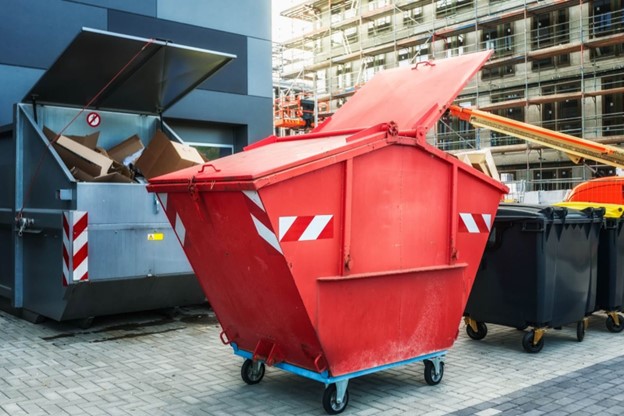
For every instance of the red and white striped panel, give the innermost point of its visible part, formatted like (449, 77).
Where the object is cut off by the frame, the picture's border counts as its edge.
(261, 219)
(306, 228)
(475, 223)
(75, 247)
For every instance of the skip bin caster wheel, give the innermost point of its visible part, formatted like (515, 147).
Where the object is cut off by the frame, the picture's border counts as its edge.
(252, 372)
(330, 400)
(529, 346)
(430, 373)
(480, 333)
(612, 327)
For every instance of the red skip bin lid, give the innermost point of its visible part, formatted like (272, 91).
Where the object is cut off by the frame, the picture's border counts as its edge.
(414, 98)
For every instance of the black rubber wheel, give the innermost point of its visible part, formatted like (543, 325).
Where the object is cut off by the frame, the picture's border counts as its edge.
(580, 331)
(522, 327)
(612, 327)
(481, 331)
(430, 376)
(248, 374)
(527, 343)
(329, 400)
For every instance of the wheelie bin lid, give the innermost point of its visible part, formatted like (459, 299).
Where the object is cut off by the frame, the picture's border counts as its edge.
(611, 210)
(547, 213)
(148, 76)
(387, 102)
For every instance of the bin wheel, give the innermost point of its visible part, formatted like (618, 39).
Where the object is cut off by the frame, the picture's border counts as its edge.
(249, 374)
(522, 327)
(330, 404)
(480, 333)
(527, 343)
(612, 327)
(430, 376)
(580, 331)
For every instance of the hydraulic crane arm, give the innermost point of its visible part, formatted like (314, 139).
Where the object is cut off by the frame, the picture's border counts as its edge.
(574, 147)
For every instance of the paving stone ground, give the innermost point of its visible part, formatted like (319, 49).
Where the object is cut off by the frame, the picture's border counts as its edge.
(149, 364)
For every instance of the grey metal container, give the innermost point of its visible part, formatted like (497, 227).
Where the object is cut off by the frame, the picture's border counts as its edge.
(127, 270)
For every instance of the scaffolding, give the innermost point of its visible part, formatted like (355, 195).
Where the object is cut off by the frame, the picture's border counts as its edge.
(556, 64)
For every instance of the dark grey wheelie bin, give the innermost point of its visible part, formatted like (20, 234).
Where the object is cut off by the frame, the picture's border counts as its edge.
(538, 270)
(610, 288)
(610, 284)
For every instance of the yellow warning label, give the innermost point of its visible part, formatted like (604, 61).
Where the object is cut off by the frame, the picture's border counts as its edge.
(155, 237)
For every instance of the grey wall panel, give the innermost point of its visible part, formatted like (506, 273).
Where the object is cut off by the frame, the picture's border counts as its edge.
(16, 82)
(232, 78)
(259, 67)
(145, 7)
(256, 112)
(203, 132)
(35, 32)
(246, 17)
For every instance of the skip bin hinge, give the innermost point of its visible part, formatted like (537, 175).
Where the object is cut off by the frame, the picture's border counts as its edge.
(23, 224)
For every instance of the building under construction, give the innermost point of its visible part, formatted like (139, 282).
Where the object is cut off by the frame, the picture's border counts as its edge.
(556, 64)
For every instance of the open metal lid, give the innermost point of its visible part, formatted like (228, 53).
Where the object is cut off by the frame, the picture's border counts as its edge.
(152, 74)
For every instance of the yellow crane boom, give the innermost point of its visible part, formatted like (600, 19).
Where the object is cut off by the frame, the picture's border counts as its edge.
(574, 147)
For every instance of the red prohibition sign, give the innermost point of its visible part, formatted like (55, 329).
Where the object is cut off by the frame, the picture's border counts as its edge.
(93, 119)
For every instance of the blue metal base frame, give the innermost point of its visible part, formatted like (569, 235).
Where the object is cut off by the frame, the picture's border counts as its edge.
(325, 378)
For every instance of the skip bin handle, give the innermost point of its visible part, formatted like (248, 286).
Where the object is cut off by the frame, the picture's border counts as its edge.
(224, 338)
(206, 165)
(425, 63)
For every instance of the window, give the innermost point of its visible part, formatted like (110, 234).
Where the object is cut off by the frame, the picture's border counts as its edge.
(446, 8)
(563, 115)
(379, 61)
(377, 4)
(351, 34)
(454, 45)
(550, 29)
(454, 133)
(336, 14)
(497, 71)
(499, 39)
(607, 18)
(612, 108)
(513, 113)
(404, 55)
(379, 25)
(210, 151)
(412, 16)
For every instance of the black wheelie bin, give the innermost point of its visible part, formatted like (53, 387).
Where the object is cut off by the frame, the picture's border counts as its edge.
(610, 284)
(538, 270)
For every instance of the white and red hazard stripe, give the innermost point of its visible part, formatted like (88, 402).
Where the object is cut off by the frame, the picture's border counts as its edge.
(475, 223)
(178, 225)
(261, 219)
(306, 228)
(75, 247)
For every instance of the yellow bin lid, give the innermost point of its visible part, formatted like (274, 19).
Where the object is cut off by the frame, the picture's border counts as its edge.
(611, 210)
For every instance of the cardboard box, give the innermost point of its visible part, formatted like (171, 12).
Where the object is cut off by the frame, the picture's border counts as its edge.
(162, 156)
(111, 177)
(89, 141)
(76, 155)
(128, 151)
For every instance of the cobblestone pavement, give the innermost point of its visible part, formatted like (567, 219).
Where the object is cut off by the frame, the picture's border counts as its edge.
(149, 364)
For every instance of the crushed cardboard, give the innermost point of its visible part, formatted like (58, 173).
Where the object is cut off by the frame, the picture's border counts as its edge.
(127, 151)
(91, 163)
(77, 155)
(89, 141)
(163, 156)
